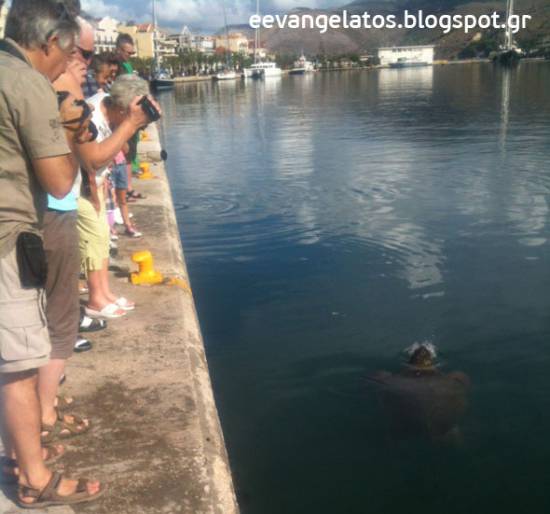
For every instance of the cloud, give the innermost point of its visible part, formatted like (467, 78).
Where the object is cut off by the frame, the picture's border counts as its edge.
(204, 15)
(100, 8)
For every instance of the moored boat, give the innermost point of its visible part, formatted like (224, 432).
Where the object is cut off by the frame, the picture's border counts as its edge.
(162, 81)
(261, 70)
(302, 66)
(509, 54)
(226, 75)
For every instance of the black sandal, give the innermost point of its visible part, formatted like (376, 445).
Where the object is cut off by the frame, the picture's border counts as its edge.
(92, 325)
(133, 194)
(82, 345)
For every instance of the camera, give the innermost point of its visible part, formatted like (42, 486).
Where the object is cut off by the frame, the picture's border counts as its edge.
(86, 114)
(149, 109)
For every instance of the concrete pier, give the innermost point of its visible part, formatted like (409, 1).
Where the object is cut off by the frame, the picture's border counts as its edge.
(156, 439)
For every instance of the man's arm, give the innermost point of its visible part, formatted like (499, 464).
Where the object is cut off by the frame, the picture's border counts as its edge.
(56, 174)
(99, 155)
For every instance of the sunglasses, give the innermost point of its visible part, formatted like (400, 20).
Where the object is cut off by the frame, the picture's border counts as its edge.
(86, 54)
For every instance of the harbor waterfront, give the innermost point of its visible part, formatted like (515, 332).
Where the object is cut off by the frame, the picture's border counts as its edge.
(331, 220)
(155, 439)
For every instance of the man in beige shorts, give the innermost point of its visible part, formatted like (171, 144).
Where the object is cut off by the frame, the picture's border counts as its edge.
(35, 159)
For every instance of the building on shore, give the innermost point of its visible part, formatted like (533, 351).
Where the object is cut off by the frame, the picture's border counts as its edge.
(234, 42)
(404, 56)
(3, 16)
(145, 36)
(106, 33)
(203, 44)
(186, 41)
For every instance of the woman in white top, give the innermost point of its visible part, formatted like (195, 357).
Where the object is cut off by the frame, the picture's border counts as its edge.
(117, 117)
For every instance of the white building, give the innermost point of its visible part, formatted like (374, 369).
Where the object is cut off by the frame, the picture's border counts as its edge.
(204, 44)
(165, 46)
(187, 41)
(106, 32)
(3, 17)
(406, 55)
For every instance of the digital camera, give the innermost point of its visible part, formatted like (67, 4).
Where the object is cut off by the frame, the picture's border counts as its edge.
(149, 109)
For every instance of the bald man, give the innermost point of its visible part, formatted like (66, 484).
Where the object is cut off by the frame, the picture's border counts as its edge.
(61, 243)
(74, 78)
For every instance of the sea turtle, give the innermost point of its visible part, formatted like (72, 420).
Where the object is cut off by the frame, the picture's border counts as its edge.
(420, 400)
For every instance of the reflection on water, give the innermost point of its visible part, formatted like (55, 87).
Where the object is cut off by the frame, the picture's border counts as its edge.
(505, 110)
(331, 220)
(411, 81)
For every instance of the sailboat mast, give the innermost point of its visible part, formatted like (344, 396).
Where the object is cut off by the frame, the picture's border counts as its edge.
(227, 49)
(155, 62)
(509, 42)
(257, 35)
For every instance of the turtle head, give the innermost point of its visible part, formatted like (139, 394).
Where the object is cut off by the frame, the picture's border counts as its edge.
(422, 357)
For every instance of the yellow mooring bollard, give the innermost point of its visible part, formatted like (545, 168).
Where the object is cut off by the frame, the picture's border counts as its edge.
(145, 171)
(147, 273)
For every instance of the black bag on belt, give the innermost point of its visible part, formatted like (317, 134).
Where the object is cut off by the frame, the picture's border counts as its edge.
(31, 261)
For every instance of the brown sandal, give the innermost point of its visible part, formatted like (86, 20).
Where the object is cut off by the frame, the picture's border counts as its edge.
(63, 429)
(49, 497)
(64, 402)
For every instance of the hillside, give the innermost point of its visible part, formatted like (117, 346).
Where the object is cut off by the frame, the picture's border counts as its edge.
(452, 45)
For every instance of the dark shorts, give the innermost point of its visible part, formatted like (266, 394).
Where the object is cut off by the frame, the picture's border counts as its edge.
(63, 256)
(119, 176)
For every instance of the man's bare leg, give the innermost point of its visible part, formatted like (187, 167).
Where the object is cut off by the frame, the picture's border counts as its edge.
(20, 411)
(48, 385)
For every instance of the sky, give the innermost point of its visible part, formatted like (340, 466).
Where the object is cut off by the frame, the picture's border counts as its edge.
(199, 15)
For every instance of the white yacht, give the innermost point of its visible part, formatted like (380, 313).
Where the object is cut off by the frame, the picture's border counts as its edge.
(262, 70)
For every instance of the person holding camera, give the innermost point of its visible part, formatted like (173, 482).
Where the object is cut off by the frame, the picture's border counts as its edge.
(117, 116)
(36, 142)
(63, 256)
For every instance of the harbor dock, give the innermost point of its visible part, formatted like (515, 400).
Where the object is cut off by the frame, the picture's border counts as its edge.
(156, 440)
